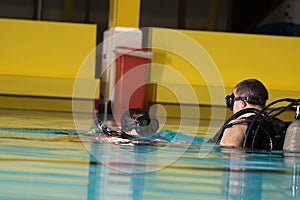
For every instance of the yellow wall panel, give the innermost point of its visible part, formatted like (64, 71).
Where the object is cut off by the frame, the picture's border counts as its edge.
(177, 63)
(49, 87)
(48, 49)
(47, 59)
(272, 59)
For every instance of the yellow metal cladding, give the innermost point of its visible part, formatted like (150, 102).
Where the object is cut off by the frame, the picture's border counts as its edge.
(125, 13)
(48, 49)
(272, 59)
(39, 58)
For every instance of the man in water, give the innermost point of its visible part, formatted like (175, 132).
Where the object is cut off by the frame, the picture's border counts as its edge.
(249, 93)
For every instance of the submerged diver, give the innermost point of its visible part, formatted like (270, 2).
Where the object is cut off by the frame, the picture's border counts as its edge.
(138, 127)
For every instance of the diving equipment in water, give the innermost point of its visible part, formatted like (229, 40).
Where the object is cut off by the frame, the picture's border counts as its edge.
(139, 120)
(292, 138)
(100, 127)
(135, 119)
(265, 131)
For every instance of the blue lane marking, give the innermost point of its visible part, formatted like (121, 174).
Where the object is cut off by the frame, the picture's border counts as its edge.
(41, 131)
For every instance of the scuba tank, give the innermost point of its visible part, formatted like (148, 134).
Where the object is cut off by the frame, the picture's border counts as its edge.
(292, 137)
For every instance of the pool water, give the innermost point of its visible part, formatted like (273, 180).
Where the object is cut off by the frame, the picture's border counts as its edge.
(35, 164)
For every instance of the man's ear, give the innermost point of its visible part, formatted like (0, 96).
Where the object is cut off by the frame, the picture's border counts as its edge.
(242, 104)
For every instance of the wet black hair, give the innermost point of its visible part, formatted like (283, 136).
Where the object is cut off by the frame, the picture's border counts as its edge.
(252, 88)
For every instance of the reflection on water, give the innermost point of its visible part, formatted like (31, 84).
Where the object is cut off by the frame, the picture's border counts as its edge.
(56, 166)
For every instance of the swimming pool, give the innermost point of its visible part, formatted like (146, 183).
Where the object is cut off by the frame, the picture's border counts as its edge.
(36, 164)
